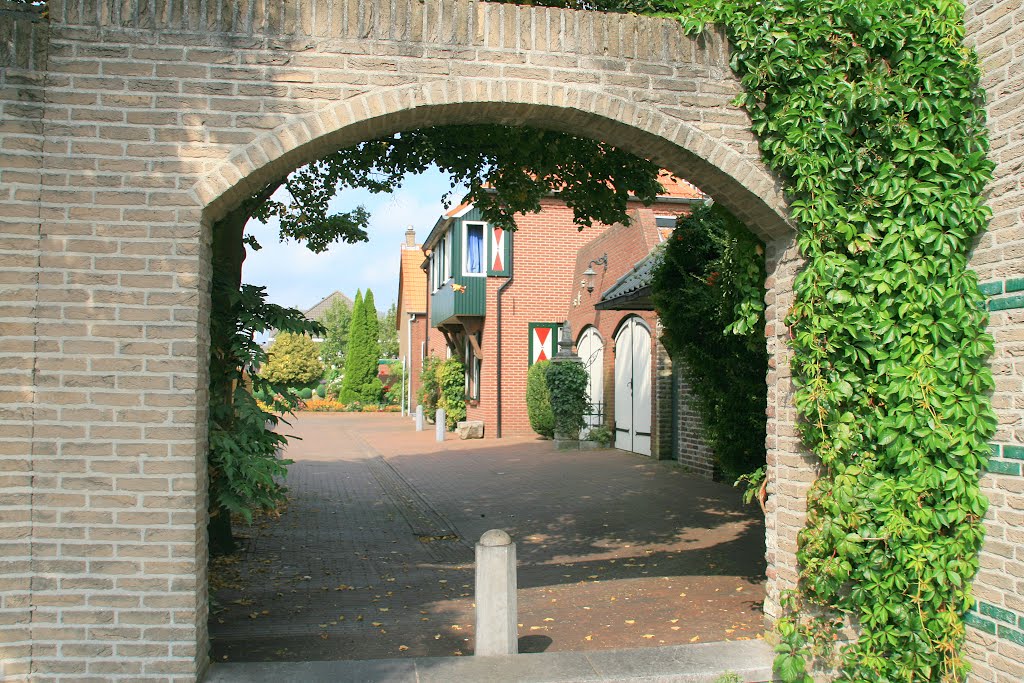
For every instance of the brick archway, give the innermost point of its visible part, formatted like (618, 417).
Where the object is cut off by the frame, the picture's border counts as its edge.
(741, 183)
(129, 126)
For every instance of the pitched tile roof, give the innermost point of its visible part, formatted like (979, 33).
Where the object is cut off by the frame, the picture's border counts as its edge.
(632, 291)
(412, 282)
(317, 312)
(678, 188)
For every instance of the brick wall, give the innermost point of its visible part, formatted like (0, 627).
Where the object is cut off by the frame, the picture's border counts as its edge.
(625, 246)
(544, 254)
(690, 448)
(151, 120)
(996, 637)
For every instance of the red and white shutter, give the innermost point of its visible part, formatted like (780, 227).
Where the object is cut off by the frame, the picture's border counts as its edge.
(497, 250)
(542, 342)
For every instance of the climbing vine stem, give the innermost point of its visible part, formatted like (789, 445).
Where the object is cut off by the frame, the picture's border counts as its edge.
(870, 112)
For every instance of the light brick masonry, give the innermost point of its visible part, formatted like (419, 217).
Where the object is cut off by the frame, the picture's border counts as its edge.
(127, 127)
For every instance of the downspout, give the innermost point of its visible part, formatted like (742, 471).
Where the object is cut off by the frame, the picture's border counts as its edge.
(497, 355)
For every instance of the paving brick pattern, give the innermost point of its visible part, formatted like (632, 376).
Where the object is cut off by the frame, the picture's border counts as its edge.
(373, 556)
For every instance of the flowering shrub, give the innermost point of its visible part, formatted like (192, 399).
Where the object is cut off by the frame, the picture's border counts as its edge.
(323, 405)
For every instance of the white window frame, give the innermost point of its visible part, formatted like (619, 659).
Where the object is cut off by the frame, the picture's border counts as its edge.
(440, 263)
(473, 367)
(465, 249)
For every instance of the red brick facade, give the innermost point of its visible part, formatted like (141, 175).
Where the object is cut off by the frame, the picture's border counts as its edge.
(549, 256)
(544, 251)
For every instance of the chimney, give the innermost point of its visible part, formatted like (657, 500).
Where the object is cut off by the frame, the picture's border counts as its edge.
(410, 237)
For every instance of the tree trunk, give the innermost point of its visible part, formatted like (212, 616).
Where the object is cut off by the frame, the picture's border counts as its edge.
(218, 529)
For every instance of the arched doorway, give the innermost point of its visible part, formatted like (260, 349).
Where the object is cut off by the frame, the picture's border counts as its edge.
(633, 386)
(193, 159)
(590, 348)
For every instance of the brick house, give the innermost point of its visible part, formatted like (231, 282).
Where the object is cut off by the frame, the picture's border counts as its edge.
(411, 318)
(498, 300)
(640, 394)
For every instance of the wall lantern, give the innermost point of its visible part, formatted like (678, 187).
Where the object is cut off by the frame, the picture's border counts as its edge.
(589, 274)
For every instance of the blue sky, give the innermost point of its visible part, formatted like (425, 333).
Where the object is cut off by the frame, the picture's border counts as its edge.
(294, 276)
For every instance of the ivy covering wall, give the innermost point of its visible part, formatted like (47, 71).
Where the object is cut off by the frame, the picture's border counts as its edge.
(871, 114)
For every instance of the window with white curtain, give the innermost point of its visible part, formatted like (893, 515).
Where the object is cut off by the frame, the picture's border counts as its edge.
(473, 251)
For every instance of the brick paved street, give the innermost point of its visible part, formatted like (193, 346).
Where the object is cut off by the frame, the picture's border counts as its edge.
(373, 557)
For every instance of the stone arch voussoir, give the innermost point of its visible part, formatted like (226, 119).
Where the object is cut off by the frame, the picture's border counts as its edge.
(745, 187)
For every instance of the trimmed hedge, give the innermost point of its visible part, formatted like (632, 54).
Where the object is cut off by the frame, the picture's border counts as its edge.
(538, 400)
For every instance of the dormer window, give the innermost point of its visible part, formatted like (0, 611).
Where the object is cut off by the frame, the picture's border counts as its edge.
(473, 253)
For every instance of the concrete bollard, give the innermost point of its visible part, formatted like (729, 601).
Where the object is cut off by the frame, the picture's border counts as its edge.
(496, 606)
(440, 424)
(419, 418)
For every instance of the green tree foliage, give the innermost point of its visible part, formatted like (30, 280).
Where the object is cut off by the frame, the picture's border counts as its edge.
(396, 384)
(336, 321)
(872, 115)
(361, 383)
(451, 379)
(429, 390)
(442, 385)
(708, 289)
(389, 333)
(567, 386)
(242, 463)
(372, 323)
(293, 359)
(538, 400)
(507, 170)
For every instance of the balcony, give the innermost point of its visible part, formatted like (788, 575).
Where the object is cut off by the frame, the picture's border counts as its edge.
(447, 304)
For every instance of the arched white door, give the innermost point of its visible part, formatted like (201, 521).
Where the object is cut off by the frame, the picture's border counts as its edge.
(633, 387)
(590, 349)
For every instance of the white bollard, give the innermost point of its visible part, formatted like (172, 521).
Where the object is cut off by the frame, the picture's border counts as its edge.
(440, 424)
(496, 606)
(419, 418)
